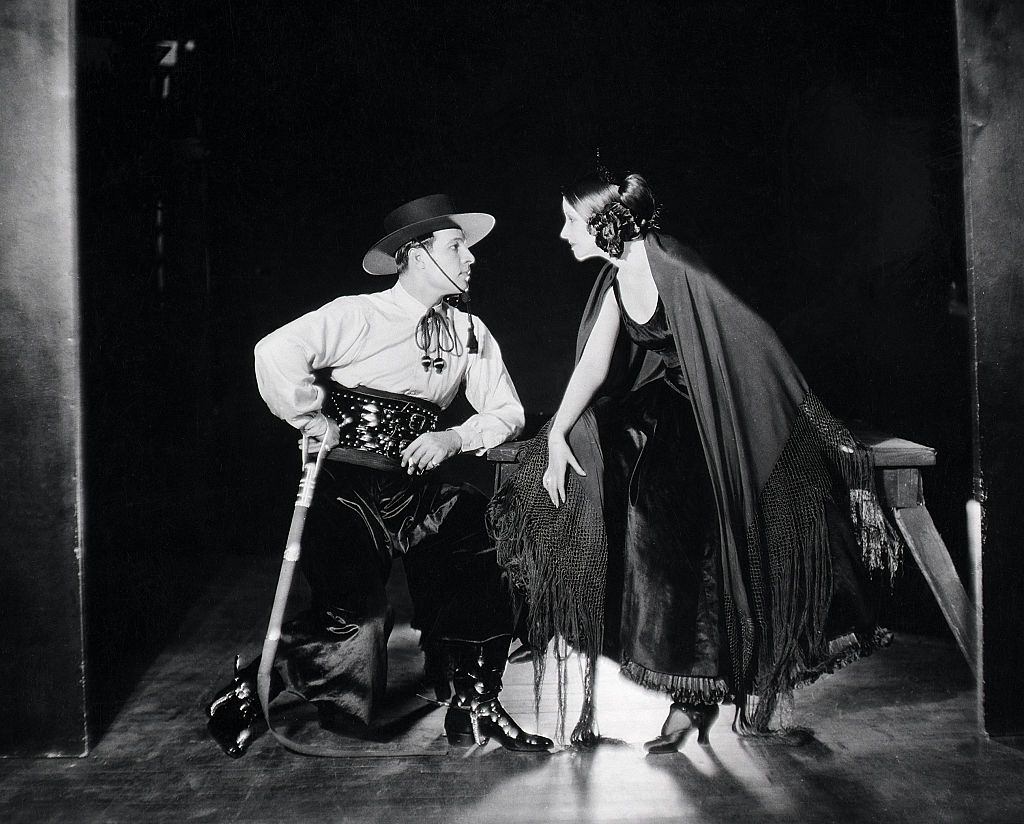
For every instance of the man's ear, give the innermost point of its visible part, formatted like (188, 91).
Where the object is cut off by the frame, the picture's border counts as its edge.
(415, 257)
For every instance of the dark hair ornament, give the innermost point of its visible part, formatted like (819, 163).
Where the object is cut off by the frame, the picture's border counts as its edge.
(615, 225)
(612, 227)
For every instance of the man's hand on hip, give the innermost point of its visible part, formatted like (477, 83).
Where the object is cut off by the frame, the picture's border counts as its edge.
(431, 449)
(330, 438)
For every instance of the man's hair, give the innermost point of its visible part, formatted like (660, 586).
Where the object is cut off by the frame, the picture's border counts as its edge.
(402, 255)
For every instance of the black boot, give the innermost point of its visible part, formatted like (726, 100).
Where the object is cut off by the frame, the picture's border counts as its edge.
(475, 712)
(235, 711)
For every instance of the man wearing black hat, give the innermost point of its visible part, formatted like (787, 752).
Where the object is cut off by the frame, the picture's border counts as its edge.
(394, 359)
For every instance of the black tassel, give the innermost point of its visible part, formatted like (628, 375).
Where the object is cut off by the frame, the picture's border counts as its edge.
(472, 346)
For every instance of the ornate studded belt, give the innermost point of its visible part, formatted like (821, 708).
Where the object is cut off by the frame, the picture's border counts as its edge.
(375, 426)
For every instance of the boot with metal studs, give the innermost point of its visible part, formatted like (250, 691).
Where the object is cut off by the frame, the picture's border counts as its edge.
(475, 714)
(235, 711)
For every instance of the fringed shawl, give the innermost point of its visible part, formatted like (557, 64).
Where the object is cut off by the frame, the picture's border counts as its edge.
(774, 454)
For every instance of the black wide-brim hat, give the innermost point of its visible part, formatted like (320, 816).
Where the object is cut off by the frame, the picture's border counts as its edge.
(416, 219)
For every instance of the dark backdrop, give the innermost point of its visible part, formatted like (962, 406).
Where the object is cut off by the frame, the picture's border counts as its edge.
(809, 149)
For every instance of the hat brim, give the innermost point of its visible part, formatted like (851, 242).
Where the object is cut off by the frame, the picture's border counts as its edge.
(380, 260)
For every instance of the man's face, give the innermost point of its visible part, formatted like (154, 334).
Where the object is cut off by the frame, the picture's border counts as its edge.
(450, 252)
(577, 235)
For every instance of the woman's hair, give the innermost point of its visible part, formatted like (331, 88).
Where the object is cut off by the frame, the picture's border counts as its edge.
(615, 212)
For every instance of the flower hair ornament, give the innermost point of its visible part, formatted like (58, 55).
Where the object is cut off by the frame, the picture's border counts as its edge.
(612, 227)
(615, 225)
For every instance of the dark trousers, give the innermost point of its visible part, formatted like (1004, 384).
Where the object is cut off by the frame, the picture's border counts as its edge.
(360, 519)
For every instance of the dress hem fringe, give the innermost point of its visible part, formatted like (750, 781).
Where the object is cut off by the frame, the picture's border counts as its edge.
(685, 689)
(842, 652)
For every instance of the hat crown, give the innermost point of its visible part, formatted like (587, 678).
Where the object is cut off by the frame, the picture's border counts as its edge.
(418, 219)
(417, 211)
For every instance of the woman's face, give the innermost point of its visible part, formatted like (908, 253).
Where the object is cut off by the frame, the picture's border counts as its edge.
(577, 235)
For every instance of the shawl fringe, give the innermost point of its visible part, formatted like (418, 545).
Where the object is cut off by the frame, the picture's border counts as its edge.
(789, 563)
(843, 651)
(556, 559)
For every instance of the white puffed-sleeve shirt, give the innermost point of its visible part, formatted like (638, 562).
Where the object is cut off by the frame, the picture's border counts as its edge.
(370, 340)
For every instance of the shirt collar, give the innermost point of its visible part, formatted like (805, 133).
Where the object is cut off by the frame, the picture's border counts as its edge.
(408, 303)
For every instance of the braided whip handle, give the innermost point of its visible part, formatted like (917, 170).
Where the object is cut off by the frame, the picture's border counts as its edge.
(292, 551)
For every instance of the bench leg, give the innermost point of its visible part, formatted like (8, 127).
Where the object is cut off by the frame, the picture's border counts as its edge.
(928, 549)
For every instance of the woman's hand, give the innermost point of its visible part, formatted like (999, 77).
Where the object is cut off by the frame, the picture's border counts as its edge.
(559, 458)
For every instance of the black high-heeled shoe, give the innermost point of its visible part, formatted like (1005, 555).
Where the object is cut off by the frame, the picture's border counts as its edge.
(701, 717)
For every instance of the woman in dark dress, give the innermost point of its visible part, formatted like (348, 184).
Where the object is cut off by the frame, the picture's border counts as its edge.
(712, 523)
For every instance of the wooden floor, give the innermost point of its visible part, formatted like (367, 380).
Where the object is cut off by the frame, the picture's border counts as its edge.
(895, 741)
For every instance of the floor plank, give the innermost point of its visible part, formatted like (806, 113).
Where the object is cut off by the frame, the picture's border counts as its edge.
(894, 741)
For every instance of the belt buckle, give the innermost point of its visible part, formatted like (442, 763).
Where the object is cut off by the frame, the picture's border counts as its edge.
(417, 422)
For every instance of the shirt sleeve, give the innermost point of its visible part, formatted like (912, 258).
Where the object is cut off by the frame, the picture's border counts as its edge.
(490, 390)
(287, 358)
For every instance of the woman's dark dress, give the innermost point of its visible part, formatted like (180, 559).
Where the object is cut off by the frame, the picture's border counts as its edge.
(722, 538)
(664, 618)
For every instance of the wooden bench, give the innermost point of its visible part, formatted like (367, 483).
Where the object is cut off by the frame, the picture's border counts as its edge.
(898, 465)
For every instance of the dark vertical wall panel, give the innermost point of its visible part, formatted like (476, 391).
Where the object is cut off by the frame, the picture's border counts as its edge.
(164, 504)
(41, 650)
(992, 100)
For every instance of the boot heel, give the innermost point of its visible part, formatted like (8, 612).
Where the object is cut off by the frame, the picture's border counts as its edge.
(462, 729)
(460, 739)
(234, 712)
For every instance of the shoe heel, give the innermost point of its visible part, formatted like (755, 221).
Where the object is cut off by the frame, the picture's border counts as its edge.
(702, 718)
(707, 721)
(462, 730)
(458, 738)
